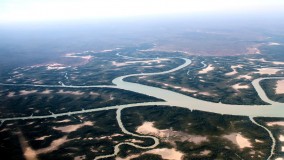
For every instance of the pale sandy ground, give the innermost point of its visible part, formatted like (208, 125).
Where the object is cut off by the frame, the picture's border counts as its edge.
(180, 88)
(167, 134)
(63, 121)
(142, 77)
(106, 50)
(203, 153)
(239, 86)
(114, 135)
(281, 138)
(55, 66)
(77, 93)
(81, 117)
(94, 93)
(279, 123)
(87, 57)
(147, 128)
(135, 141)
(74, 55)
(38, 82)
(28, 155)
(278, 63)
(161, 65)
(111, 97)
(4, 129)
(47, 91)
(28, 152)
(238, 139)
(279, 87)
(18, 76)
(169, 154)
(42, 138)
(244, 76)
(188, 90)
(268, 70)
(273, 44)
(104, 137)
(261, 60)
(9, 80)
(89, 138)
(279, 159)
(194, 138)
(258, 141)
(36, 111)
(253, 50)
(71, 128)
(11, 94)
(53, 146)
(117, 64)
(207, 69)
(172, 86)
(206, 94)
(234, 68)
(80, 157)
(242, 141)
(26, 92)
(166, 153)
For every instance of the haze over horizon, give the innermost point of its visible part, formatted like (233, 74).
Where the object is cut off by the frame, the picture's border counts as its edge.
(142, 79)
(42, 30)
(12, 11)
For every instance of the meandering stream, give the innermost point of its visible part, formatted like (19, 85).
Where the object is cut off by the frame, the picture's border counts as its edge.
(171, 98)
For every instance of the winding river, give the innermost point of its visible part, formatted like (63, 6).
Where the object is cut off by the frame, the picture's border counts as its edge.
(274, 109)
(171, 98)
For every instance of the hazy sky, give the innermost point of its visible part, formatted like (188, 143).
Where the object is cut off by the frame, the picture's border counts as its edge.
(45, 10)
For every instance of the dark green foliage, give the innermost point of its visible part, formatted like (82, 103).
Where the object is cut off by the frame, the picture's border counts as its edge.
(269, 88)
(210, 125)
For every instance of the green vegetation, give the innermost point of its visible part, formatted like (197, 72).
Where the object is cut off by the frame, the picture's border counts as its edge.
(213, 86)
(185, 123)
(100, 70)
(97, 138)
(269, 88)
(196, 134)
(277, 131)
(26, 101)
(273, 52)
